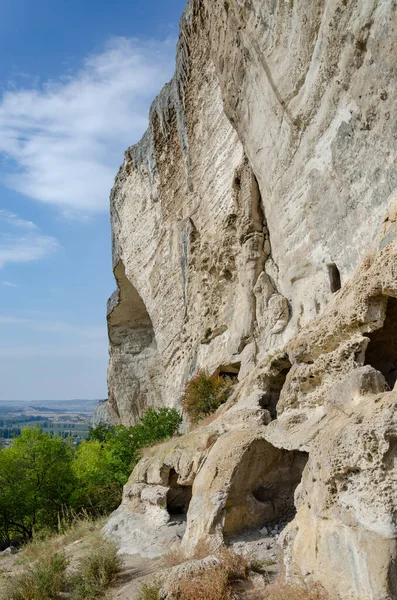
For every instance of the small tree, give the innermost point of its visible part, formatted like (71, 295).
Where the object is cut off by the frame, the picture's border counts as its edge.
(204, 394)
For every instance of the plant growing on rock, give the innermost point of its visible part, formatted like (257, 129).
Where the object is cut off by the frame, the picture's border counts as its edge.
(204, 394)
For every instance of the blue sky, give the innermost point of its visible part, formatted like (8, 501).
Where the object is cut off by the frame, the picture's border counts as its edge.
(76, 82)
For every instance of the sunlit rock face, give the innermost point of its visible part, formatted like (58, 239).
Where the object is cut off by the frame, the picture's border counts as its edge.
(254, 228)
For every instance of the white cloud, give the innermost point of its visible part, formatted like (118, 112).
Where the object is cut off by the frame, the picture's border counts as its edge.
(25, 248)
(21, 241)
(64, 140)
(9, 284)
(11, 219)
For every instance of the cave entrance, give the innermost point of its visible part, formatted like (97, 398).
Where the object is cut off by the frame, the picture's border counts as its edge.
(178, 496)
(230, 371)
(381, 352)
(334, 278)
(263, 488)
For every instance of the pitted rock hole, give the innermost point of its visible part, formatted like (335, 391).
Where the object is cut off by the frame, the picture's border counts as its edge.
(178, 496)
(263, 487)
(382, 349)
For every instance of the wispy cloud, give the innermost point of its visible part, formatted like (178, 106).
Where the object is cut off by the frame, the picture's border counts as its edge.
(12, 219)
(9, 284)
(26, 248)
(64, 140)
(21, 241)
(95, 333)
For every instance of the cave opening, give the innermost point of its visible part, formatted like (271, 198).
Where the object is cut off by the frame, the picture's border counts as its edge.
(263, 488)
(178, 496)
(334, 278)
(275, 493)
(230, 371)
(381, 352)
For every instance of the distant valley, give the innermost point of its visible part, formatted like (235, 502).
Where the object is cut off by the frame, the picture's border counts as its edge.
(66, 418)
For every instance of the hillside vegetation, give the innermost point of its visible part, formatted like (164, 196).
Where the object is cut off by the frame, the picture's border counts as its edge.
(45, 480)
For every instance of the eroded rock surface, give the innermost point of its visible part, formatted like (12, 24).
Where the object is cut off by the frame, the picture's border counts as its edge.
(255, 227)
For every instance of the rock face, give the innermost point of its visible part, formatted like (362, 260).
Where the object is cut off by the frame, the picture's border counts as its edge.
(255, 229)
(101, 414)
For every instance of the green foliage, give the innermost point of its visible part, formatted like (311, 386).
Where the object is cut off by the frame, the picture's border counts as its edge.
(43, 477)
(105, 460)
(45, 581)
(98, 488)
(36, 480)
(96, 573)
(150, 592)
(204, 394)
(156, 425)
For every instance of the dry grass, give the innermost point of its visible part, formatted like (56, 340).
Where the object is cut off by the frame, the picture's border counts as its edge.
(41, 573)
(96, 573)
(44, 581)
(285, 591)
(82, 528)
(236, 566)
(215, 583)
(176, 557)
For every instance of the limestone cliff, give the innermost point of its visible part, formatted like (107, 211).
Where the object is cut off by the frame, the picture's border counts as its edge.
(254, 229)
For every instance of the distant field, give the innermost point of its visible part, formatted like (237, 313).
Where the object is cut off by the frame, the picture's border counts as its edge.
(13, 422)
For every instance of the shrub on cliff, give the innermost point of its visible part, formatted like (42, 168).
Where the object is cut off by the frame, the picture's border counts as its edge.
(155, 426)
(204, 394)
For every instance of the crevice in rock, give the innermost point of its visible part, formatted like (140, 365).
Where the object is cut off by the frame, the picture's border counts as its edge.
(334, 278)
(263, 487)
(178, 496)
(381, 352)
(273, 382)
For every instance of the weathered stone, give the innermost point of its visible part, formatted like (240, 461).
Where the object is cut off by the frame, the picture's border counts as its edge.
(255, 225)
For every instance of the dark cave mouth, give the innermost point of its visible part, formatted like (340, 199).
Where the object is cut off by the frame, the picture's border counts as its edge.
(381, 353)
(178, 496)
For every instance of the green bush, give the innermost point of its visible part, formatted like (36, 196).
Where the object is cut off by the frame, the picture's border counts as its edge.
(96, 573)
(45, 581)
(156, 425)
(204, 394)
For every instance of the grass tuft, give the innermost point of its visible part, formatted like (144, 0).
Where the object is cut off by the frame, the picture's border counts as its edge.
(150, 592)
(285, 591)
(96, 573)
(45, 581)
